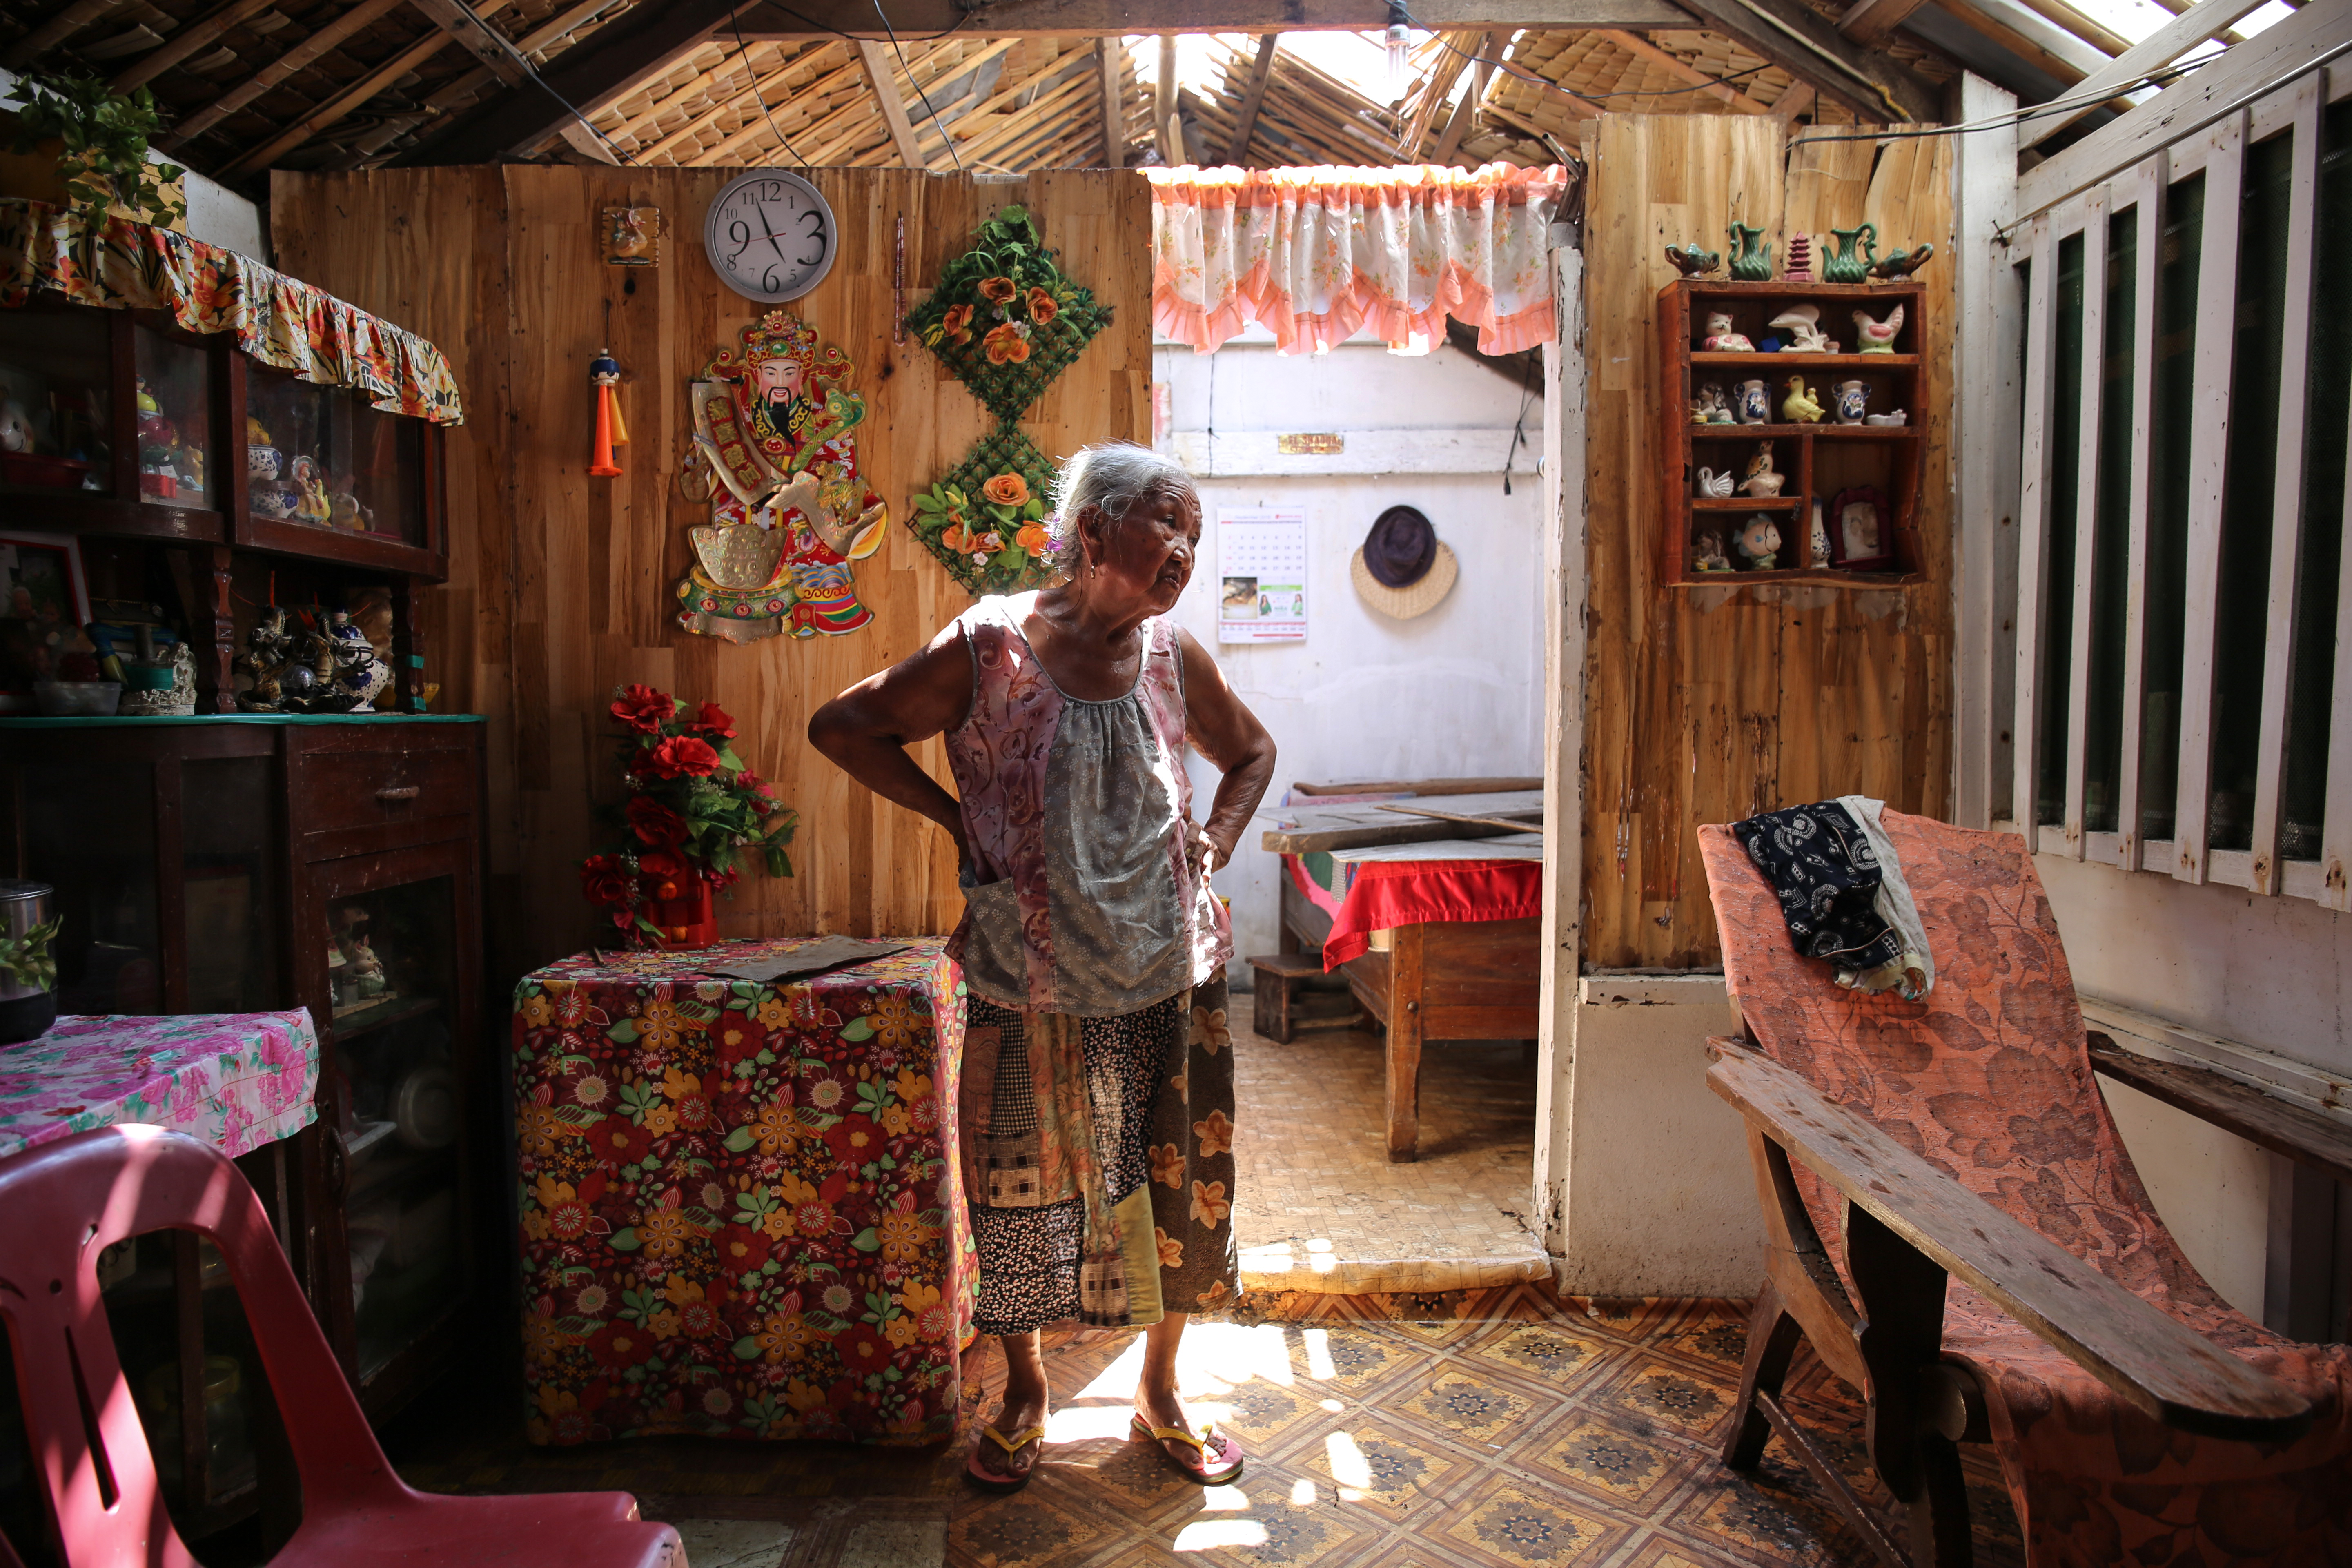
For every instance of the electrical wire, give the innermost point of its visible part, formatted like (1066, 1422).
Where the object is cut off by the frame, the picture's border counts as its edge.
(2012, 117)
(1593, 98)
(926, 97)
(743, 56)
(523, 60)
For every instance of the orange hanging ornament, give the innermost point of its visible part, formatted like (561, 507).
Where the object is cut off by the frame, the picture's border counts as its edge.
(605, 373)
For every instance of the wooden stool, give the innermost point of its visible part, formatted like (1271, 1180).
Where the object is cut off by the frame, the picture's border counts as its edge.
(1275, 976)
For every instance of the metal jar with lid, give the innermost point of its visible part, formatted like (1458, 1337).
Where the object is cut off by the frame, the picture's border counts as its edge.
(26, 1009)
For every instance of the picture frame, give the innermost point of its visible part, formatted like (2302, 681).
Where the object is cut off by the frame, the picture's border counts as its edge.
(632, 236)
(1861, 531)
(44, 605)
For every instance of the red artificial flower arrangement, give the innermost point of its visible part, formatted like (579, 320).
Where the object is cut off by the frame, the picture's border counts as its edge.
(694, 810)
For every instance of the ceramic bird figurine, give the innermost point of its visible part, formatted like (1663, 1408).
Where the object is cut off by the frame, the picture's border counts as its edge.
(1877, 336)
(1760, 544)
(1800, 407)
(1803, 325)
(1691, 261)
(1901, 263)
(1713, 486)
(1763, 481)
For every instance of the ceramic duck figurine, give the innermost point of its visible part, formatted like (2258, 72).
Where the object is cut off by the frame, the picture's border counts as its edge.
(1800, 407)
(1803, 325)
(1877, 336)
(1760, 544)
(1691, 261)
(1901, 263)
(1721, 340)
(1763, 481)
(1713, 486)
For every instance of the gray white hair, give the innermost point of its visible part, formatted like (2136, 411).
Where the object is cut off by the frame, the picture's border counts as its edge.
(1114, 478)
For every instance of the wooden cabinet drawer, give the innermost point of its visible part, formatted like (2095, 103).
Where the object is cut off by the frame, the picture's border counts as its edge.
(338, 791)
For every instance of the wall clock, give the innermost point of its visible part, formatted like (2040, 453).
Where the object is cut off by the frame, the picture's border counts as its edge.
(770, 236)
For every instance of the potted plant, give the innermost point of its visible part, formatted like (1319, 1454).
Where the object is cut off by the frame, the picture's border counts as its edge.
(694, 810)
(80, 144)
(29, 962)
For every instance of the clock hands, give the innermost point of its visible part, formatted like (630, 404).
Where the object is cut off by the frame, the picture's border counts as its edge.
(773, 243)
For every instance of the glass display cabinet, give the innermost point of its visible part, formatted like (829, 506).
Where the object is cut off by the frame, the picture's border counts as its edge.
(242, 864)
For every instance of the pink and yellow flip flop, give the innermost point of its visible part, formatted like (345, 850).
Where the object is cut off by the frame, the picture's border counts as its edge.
(1216, 1456)
(988, 1480)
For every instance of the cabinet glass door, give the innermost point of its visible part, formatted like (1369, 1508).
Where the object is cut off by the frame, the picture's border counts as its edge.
(329, 458)
(57, 388)
(391, 972)
(175, 421)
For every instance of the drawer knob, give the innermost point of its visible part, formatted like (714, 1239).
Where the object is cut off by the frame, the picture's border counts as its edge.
(398, 792)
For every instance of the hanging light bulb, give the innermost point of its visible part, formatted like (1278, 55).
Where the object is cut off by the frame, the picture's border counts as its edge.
(1398, 36)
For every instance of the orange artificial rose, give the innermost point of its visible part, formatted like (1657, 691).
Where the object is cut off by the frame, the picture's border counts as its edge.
(1007, 490)
(1006, 345)
(1042, 308)
(997, 290)
(1032, 538)
(957, 323)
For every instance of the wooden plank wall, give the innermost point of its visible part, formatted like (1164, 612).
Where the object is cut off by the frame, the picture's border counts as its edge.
(561, 584)
(1713, 703)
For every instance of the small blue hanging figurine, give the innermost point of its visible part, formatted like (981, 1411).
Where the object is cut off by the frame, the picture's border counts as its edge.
(1751, 258)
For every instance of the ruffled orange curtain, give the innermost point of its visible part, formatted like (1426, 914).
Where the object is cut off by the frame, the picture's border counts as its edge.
(1319, 254)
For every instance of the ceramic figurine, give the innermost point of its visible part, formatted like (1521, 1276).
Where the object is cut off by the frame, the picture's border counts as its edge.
(1849, 259)
(1707, 555)
(262, 463)
(1721, 340)
(1901, 264)
(1883, 421)
(1818, 548)
(1800, 407)
(15, 427)
(1711, 409)
(345, 513)
(1713, 486)
(1803, 324)
(178, 699)
(1801, 259)
(1760, 544)
(1763, 481)
(1755, 404)
(345, 674)
(276, 499)
(1691, 261)
(1751, 258)
(1852, 401)
(310, 503)
(268, 654)
(1876, 337)
(365, 968)
(147, 404)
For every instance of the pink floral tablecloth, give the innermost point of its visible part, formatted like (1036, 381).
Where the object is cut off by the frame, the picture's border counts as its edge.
(236, 1080)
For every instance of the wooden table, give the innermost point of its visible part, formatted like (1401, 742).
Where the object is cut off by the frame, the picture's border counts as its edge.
(741, 1213)
(1439, 980)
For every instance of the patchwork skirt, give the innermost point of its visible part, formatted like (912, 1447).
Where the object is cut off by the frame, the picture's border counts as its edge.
(1099, 1155)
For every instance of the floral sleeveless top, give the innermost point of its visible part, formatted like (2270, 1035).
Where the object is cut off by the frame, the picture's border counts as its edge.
(1080, 898)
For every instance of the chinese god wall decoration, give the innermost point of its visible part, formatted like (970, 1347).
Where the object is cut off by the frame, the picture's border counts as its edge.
(774, 460)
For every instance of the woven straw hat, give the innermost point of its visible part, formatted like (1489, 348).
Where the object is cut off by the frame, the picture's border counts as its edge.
(1403, 570)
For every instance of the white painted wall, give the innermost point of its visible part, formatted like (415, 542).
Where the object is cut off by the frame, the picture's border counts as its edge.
(1457, 690)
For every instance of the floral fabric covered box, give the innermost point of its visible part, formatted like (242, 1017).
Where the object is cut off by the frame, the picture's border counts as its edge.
(234, 1080)
(741, 1215)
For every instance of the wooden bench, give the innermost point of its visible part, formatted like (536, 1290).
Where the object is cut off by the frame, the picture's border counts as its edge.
(1276, 978)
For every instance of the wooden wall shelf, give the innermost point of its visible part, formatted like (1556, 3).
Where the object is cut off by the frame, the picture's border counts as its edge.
(1819, 460)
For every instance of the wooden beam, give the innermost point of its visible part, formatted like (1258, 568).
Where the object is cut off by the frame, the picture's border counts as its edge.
(184, 43)
(1870, 82)
(1867, 21)
(1800, 98)
(459, 20)
(721, 106)
(1466, 112)
(1641, 48)
(2159, 50)
(554, 31)
(338, 108)
(294, 59)
(1126, 18)
(1245, 118)
(1114, 103)
(1165, 131)
(2061, 15)
(2314, 1141)
(56, 31)
(894, 105)
(644, 42)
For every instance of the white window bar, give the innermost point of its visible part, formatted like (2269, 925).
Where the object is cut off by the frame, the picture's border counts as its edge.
(2303, 107)
(2149, 187)
(2208, 450)
(2086, 511)
(2032, 522)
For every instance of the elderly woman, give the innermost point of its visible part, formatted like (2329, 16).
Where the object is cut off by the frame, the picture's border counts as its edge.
(1097, 1098)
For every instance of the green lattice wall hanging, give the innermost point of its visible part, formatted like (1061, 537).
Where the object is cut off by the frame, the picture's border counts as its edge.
(1004, 320)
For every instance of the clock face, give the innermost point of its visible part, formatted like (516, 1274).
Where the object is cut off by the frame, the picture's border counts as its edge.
(770, 236)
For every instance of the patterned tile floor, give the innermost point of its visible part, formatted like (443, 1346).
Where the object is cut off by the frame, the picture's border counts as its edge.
(1514, 1432)
(1318, 1206)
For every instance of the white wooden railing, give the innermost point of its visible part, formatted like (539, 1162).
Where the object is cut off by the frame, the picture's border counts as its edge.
(2278, 84)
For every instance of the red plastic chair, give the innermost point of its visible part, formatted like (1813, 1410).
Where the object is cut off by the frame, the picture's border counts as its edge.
(66, 1201)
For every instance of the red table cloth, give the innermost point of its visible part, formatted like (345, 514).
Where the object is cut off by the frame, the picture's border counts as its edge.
(741, 1215)
(1381, 895)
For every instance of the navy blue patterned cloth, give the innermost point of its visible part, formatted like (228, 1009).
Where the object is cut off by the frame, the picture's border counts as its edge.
(1826, 875)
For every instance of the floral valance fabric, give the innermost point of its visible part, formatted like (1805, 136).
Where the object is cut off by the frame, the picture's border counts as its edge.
(277, 320)
(1318, 254)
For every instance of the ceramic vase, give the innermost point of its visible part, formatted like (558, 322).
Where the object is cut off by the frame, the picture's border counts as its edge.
(1853, 402)
(1755, 404)
(688, 920)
